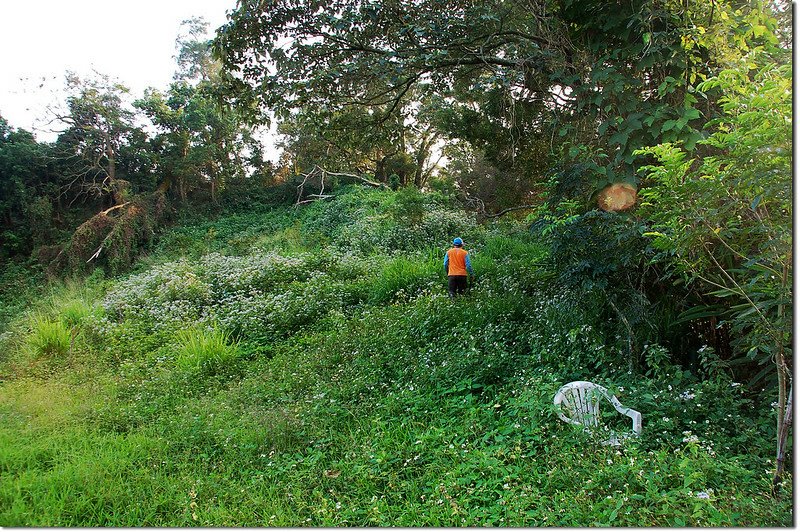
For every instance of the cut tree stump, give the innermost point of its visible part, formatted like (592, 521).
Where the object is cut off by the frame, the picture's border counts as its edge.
(617, 197)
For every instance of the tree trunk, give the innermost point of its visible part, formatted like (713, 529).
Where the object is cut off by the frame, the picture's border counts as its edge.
(112, 164)
(782, 438)
(422, 155)
(111, 167)
(380, 169)
(784, 414)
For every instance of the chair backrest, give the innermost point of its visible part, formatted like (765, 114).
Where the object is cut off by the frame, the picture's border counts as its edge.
(578, 403)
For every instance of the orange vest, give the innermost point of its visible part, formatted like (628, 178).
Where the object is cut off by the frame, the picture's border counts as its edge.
(457, 261)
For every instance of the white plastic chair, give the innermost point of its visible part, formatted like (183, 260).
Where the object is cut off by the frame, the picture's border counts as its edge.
(578, 403)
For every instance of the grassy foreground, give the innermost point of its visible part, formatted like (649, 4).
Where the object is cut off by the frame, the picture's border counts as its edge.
(306, 368)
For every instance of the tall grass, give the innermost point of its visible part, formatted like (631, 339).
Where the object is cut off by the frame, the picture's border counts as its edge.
(74, 476)
(503, 249)
(204, 350)
(74, 312)
(406, 276)
(48, 338)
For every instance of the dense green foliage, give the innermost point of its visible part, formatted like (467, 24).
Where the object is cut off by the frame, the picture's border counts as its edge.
(528, 85)
(726, 215)
(328, 380)
(118, 156)
(190, 335)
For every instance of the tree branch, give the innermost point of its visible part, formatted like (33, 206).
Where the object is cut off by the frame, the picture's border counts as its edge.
(510, 209)
(114, 208)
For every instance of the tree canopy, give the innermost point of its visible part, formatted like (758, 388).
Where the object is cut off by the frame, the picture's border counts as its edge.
(585, 82)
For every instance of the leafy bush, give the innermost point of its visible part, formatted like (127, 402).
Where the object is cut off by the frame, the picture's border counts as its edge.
(367, 221)
(606, 257)
(601, 251)
(723, 216)
(19, 284)
(261, 296)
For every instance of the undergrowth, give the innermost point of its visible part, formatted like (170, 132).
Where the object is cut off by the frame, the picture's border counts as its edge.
(305, 367)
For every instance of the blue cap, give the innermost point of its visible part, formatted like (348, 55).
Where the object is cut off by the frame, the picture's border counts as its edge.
(458, 242)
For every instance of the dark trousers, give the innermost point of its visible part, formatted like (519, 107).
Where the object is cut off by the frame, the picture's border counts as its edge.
(456, 284)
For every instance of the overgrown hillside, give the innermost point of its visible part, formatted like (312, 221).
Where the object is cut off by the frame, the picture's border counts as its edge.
(305, 367)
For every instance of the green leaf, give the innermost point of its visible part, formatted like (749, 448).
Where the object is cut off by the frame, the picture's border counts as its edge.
(620, 138)
(701, 311)
(691, 114)
(692, 139)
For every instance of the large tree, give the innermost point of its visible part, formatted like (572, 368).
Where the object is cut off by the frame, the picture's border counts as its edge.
(26, 188)
(596, 79)
(200, 142)
(98, 123)
(397, 146)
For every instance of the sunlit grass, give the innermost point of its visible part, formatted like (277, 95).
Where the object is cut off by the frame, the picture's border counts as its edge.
(74, 477)
(47, 403)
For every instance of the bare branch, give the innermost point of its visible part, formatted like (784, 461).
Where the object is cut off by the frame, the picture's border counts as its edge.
(114, 207)
(360, 178)
(315, 197)
(510, 209)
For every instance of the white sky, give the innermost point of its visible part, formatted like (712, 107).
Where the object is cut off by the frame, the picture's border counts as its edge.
(132, 41)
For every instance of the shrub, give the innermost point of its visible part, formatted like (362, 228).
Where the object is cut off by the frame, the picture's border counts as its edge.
(605, 257)
(260, 296)
(407, 205)
(19, 284)
(368, 221)
(600, 251)
(120, 237)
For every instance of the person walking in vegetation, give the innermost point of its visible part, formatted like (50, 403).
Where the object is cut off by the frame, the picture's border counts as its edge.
(456, 266)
